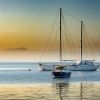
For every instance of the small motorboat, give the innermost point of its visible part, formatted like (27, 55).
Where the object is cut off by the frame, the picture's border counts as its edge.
(60, 72)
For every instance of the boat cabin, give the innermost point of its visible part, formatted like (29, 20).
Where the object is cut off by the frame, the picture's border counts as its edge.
(85, 62)
(58, 67)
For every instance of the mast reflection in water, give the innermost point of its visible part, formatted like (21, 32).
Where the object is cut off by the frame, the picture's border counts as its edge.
(75, 91)
(61, 87)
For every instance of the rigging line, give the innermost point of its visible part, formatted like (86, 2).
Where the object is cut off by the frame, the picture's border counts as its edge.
(72, 43)
(70, 39)
(86, 36)
(50, 48)
(94, 43)
(92, 39)
(91, 48)
(63, 50)
(66, 38)
(63, 43)
(55, 49)
(85, 45)
(88, 39)
(66, 34)
(47, 43)
(65, 24)
(68, 42)
(50, 34)
(54, 39)
(68, 13)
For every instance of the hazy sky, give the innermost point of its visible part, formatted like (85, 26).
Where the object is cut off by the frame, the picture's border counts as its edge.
(27, 23)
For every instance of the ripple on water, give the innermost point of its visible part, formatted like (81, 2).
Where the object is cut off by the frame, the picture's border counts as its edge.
(54, 91)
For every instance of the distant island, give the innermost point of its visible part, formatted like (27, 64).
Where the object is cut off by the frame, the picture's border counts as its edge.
(20, 48)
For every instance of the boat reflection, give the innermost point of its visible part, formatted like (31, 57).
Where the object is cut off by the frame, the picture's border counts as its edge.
(68, 91)
(61, 87)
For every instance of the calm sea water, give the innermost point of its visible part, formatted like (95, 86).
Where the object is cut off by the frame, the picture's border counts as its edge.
(17, 82)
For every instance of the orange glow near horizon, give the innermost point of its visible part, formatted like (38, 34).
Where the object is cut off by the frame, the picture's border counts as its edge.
(29, 25)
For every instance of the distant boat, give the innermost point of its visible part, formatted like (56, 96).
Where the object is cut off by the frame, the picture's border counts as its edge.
(84, 65)
(46, 67)
(59, 71)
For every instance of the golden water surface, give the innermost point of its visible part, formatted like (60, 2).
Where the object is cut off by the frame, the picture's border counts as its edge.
(51, 91)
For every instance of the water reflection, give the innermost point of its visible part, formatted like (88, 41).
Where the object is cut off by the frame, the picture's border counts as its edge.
(75, 91)
(65, 91)
(58, 90)
(81, 91)
(61, 87)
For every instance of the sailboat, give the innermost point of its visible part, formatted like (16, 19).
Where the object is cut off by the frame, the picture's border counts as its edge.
(59, 70)
(84, 65)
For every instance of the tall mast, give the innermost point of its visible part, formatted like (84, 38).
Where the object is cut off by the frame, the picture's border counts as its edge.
(81, 40)
(60, 36)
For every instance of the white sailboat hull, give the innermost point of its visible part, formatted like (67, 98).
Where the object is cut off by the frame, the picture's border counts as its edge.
(83, 66)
